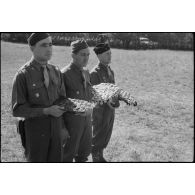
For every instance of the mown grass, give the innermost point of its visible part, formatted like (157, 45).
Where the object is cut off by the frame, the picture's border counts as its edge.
(160, 129)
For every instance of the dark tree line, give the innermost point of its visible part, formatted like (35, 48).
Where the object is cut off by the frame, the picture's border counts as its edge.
(182, 41)
(177, 41)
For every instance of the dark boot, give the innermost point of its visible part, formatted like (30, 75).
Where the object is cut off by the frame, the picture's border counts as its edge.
(81, 159)
(102, 156)
(98, 157)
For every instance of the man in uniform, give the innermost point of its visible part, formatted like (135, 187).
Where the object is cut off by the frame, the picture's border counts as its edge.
(77, 81)
(36, 86)
(103, 116)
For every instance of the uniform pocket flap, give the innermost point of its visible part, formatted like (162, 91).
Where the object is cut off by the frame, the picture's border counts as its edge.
(37, 85)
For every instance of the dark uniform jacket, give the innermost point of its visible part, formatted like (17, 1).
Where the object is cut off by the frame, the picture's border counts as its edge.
(74, 83)
(29, 97)
(79, 127)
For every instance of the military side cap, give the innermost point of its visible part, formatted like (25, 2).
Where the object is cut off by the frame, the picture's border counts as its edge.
(101, 48)
(36, 37)
(78, 45)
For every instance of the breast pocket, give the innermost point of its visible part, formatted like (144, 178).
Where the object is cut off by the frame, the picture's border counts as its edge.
(37, 94)
(74, 93)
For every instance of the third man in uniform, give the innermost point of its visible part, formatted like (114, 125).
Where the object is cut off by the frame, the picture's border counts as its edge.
(103, 115)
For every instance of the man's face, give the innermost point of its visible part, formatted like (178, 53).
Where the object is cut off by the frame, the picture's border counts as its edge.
(105, 58)
(42, 50)
(82, 57)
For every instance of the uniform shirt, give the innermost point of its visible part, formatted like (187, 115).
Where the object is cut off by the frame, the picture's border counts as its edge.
(79, 127)
(74, 83)
(29, 95)
(100, 74)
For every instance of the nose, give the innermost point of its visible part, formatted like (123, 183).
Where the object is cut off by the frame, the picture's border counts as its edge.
(86, 58)
(49, 49)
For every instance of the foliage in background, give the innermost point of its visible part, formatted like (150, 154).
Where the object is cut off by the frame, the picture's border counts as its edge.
(175, 41)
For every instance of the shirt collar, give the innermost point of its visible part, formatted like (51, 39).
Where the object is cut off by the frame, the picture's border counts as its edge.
(103, 66)
(37, 65)
(75, 68)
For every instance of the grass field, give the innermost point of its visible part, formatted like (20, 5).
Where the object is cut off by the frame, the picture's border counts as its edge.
(161, 128)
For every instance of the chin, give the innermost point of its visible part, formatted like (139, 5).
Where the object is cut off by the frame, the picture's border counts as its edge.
(48, 58)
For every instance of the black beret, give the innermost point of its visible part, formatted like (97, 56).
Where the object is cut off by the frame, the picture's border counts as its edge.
(36, 37)
(78, 45)
(101, 48)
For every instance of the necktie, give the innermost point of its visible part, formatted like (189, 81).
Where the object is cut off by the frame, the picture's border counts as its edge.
(109, 72)
(84, 78)
(46, 76)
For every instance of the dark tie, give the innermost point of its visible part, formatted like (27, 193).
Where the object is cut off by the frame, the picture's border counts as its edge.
(84, 78)
(46, 76)
(109, 72)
